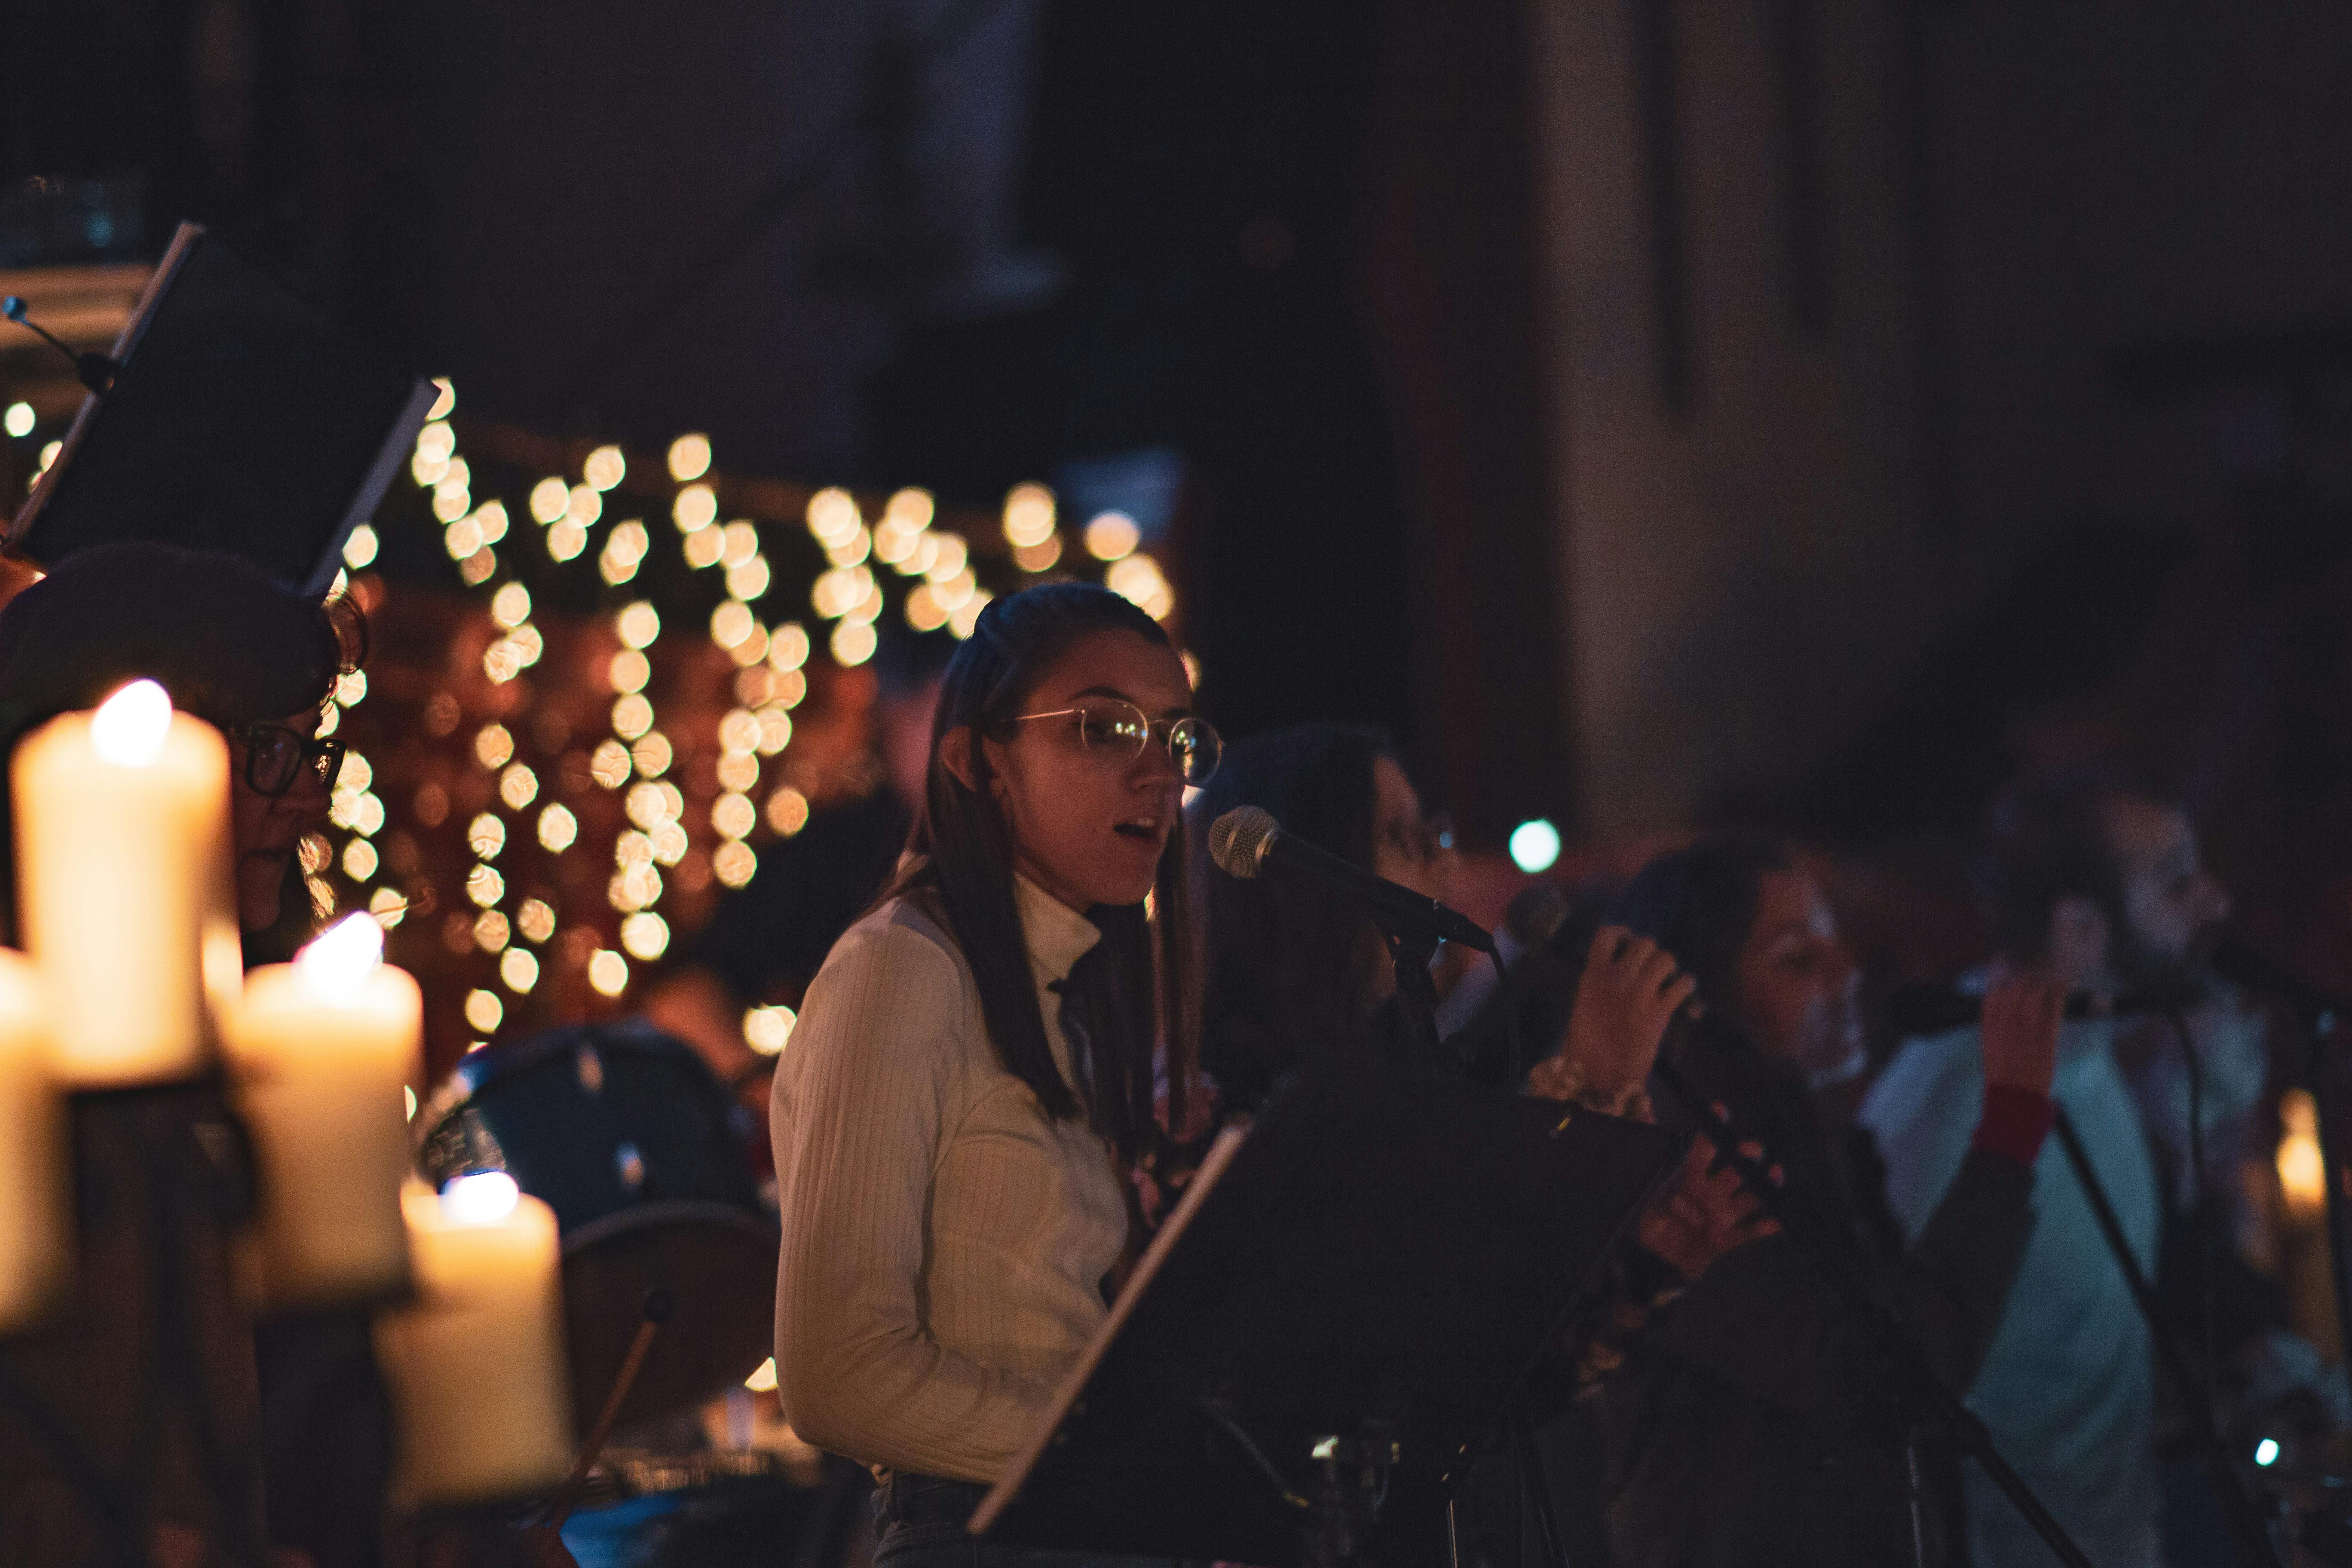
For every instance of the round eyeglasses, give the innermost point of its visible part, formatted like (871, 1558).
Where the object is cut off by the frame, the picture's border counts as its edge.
(274, 757)
(1117, 731)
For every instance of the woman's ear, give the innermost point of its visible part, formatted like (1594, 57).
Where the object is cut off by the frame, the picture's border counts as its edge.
(955, 755)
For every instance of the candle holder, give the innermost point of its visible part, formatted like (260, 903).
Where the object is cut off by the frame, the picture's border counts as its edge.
(137, 1403)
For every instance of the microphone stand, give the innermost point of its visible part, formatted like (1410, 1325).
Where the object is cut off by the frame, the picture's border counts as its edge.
(1411, 952)
(1925, 1389)
(2246, 1516)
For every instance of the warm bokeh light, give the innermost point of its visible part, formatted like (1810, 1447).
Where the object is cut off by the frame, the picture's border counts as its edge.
(638, 625)
(536, 918)
(604, 467)
(768, 1030)
(689, 456)
(510, 605)
(2301, 1167)
(853, 643)
(493, 747)
(609, 765)
(517, 786)
(360, 861)
(360, 548)
(549, 498)
(1028, 514)
(1112, 536)
(491, 932)
(788, 811)
(652, 754)
(628, 671)
(485, 886)
(608, 972)
(566, 540)
(734, 863)
(645, 935)
(632, 715)
(486, 835)
(484, 1011)
(696, 508)
(557, 828)
(446, 401)
(517, 970)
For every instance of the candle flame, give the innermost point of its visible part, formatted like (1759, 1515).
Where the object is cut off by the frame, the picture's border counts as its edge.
(339, 960)
(129, 727)
(484, 1197)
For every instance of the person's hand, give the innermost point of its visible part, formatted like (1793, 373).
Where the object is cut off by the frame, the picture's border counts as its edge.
(1703, 1212)
(1628, 992)
(2022, 1010)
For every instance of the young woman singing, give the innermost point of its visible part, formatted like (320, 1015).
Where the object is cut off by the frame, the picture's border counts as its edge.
(976, 1059)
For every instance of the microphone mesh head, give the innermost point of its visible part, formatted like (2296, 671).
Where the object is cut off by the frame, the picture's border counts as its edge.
(1237, 838)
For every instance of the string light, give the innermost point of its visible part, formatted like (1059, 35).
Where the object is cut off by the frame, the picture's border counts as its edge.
(1112, 536)
(510, 605)
(788, 811)
(360, 548)
(485, 886)
(638, 625)
(558, 828)
(549, 498)
(690, 458)
(645, 935)
(768, 1030)
(536, 919)
(605, 468)
(517, 786)
(1028, 515)
(733, 863)
(652, 754)
(517, 970)
(486, 835)
(493, 746)
(609, 765)
(696, 508)
(608, 973)
(484, 1011)
(490, 930)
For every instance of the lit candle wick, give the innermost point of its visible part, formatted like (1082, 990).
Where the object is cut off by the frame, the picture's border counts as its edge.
(333, 966)
(484, 1197)
(129, 727)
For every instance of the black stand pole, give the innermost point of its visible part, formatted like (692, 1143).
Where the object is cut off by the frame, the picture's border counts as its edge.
(2246, 1515)
(1923, 1388)
(2319, 1028)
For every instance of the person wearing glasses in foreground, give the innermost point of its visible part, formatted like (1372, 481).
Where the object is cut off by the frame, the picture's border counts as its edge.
(256, 660)
(252, 658)
(975, 1062)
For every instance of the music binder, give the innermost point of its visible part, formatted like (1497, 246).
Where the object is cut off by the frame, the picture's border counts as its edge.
(1381, 1259)
(241, 419)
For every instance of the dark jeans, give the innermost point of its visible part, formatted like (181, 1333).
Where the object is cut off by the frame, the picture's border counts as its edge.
(918, 1523)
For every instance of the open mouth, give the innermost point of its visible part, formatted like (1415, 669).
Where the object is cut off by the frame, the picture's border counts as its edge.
(1143, 830)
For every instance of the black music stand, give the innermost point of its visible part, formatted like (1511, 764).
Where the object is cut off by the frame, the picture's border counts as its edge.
(1341, 1313)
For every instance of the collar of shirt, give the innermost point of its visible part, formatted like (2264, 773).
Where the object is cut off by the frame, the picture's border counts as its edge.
(1057, 935)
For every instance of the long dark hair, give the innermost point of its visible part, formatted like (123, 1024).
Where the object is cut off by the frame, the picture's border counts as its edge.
(961, 865)
(1699, 904)
(1292, 965)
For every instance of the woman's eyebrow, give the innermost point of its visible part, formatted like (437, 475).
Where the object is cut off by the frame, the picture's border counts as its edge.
(1180, 711)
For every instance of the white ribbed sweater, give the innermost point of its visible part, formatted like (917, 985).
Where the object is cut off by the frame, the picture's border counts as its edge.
(944, 1241)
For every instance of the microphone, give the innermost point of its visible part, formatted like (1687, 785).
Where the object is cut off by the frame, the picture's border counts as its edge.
(2243, 966)
(1247, 841)
(1930, 1007)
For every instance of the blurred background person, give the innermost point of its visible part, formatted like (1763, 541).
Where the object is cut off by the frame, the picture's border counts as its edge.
(2097, 878)
(1751, 1421)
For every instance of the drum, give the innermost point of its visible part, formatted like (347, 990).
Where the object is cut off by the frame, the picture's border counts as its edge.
(646, 1160)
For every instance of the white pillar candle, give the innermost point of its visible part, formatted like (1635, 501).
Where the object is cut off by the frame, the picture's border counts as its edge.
(33, 1185)
(476, 1365)
(122, 856)
(321, 1049)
